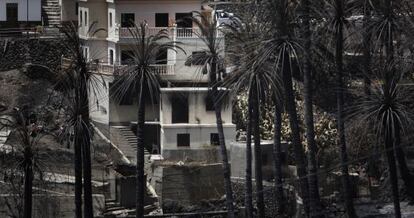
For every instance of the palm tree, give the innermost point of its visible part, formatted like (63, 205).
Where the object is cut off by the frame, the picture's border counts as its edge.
(385, 109)
(252, 74)
(277, 158)
(212, 61)
(77, 82)
(28, 137)
(284, 47)
(335, 13)
(143, 79)
(315, 207)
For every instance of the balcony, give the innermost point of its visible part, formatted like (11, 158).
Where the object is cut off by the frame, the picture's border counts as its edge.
(174, 32)
(108, 69)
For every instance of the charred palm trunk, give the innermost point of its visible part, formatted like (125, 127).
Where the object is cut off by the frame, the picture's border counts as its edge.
(28, 183)
(86, 149)
(294, 125)
(249, 187)
(277, 158)
(314, 199)
(392, 170)
(222, 141)
(402, 165)
(257, 154)
(347, 193)
(78, 172)
(140, 188)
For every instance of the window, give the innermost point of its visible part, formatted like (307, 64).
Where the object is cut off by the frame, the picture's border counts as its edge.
(86, 53)
(80, 17)
(86, 18)
(183, 20)
(127, 19)
(183, 140)
(76, 8)
(214, 139)
(197, 57)
(161, 20)
(111, 57)
(264, 159)
(110, 19)
(12, 12)
(179, 105)
(209, 103)
(126, 57)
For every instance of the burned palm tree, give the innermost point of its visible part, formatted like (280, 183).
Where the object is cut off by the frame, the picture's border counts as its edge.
(212, 61)
(386, 110)
(254, 75)
(28, 135)
(141, 78)
(78, 81)
(334, 16)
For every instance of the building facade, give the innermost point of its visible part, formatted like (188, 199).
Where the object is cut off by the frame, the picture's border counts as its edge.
(15, 13)
(183, 118)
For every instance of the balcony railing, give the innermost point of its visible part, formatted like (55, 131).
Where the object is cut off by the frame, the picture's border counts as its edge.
(160, 69)
(174, 32)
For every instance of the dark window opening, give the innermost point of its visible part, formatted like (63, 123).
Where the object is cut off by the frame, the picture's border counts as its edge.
(127, 19)
(80, 18)
(86, 18)
(111, 57)
(214, 139)
(179, 106)
(183, 140)
(161, 20)
(12, 14)
(127, 57)
(184, 20)
(264, 159)
(209, 103)
(110, 19)
(162, 57)
(76, 8)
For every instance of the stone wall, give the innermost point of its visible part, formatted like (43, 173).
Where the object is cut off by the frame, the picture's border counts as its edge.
(188, 184)
(51, 206)
(45, 52)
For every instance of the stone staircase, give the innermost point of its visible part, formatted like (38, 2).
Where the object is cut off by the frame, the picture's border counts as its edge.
(51, 13)
(126, 141)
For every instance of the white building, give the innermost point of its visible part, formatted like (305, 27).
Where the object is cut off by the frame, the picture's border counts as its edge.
(15, 13)
(183, 119)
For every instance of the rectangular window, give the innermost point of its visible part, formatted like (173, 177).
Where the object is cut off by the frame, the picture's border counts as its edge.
(179, 105)
(209, 103)
(86, 53)
(76, 8)
(127, 19)
(161, 20)
(214, 139)
(126, 57)
(111, 57)
(110, 19)
(86, 18)
(80, 17)
(183, 140)
(183, 20)
(12, 13)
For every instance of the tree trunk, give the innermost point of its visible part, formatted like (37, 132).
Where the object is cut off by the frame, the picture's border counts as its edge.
(294, 125)
(347, 193)
(257, 155)
(249, 187)
(140, 188)
(28, 184)
(402, 164)
(78, 173)
(314, 199)
(226, 165)
(222, 141)
(86, 148)
(279, 197)
(392, 169)
(367, 51)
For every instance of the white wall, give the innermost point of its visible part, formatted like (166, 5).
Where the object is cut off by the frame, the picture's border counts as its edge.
(145, 10)
(35, 10)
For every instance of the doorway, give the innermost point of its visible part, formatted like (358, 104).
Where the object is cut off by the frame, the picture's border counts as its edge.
(12, 14)
(179, 105)
(161, 20)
